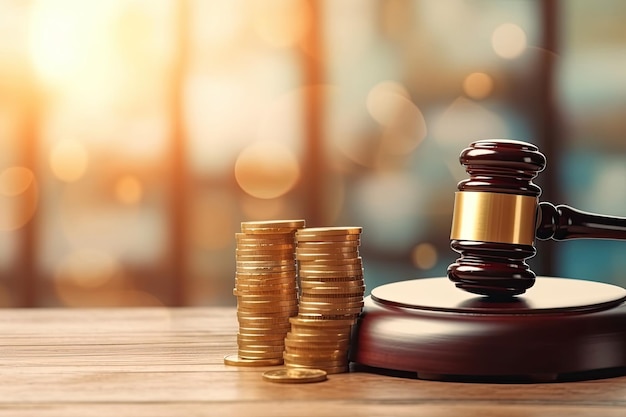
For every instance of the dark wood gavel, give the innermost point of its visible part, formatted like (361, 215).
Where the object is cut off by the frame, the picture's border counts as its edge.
(497, 217)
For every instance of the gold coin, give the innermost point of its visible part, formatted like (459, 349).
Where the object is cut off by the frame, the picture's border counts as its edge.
(329, 370)
(331, 298)
(327, 249)
(330, 280)
(324, 255)
(326, 304)
(284, 314)
(328, 289)
(333, 280)
(263, 251)
(327, 262)
(235, 360)
(295, 375)
(267, 246)
(308, 266)
(354, 244)
(335, 359)
(273, 261)
(272, 226)
(275, 223)
(265, 285)
(319, 322)
(325, 231)
(302, 236)
(282, 238)
(263, 258)
(347, 284)
(304, 333)
(330, 311)
(258, 347)
(264, 331)
(295, 346)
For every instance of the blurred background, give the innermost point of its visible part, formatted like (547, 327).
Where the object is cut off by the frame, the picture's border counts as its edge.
(136, 135)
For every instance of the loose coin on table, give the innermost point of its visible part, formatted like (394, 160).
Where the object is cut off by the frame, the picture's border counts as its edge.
(295, 375)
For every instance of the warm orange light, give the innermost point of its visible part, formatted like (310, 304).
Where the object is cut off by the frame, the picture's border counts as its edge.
(69, 160)
(384, 100)
(508, 40)
(267, 169)
(88, 268)
(128, 190)
(58, 39)
(19, 196)
(404, 126)
(213, 220)
(478, 85)
(424, 256)
(282, 23)
(15, 181)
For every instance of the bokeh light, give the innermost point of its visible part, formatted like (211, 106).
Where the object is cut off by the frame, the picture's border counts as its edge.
(465, 120)
(87, 268)
(385, 101)
(403, 124)
(508, 40)
(15, 180)
(424, 256)
(19, 196)
(69, 160)
(267, 169)
(88, 277)
(478, 85)
(128, 190)
(281, 23)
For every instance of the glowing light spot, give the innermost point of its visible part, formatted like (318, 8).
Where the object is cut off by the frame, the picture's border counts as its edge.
(404, 126)
(267, 169)
(69, 160)
(15, 181)
(464, 120)
(68, 23)
(478, 85)
(508, 40)
(128, 190)
(384, 101)
(19, 197)
(87, 269)
(424, 256)
(282, 23)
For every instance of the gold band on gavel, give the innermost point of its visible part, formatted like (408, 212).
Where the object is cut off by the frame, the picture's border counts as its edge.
(494, 217)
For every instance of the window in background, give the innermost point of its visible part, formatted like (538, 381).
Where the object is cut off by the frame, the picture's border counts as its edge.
(137, 135)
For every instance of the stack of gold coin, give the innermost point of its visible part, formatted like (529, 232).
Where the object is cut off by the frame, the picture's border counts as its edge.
(330, 272)
(266, 290)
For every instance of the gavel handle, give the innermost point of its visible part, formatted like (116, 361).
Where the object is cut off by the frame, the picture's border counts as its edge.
(563, 222)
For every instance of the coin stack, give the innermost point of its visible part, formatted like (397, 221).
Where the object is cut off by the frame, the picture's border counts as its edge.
(266, 290)
(330, 272)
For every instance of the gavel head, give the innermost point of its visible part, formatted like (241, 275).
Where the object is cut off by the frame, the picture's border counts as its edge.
(493, 226)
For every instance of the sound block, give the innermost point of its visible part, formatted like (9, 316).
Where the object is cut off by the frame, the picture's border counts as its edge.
(430, 328)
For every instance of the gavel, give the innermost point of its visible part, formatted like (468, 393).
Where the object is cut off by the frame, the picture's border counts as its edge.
(497, 216)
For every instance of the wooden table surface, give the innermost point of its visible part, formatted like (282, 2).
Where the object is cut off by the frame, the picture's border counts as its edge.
(169, 362)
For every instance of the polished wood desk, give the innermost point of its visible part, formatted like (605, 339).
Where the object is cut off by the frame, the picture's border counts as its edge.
(169, 362)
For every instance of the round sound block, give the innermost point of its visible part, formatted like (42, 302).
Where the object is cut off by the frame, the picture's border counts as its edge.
(431, 328)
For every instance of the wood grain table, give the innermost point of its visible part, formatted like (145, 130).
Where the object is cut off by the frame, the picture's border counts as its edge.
(169, 362)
